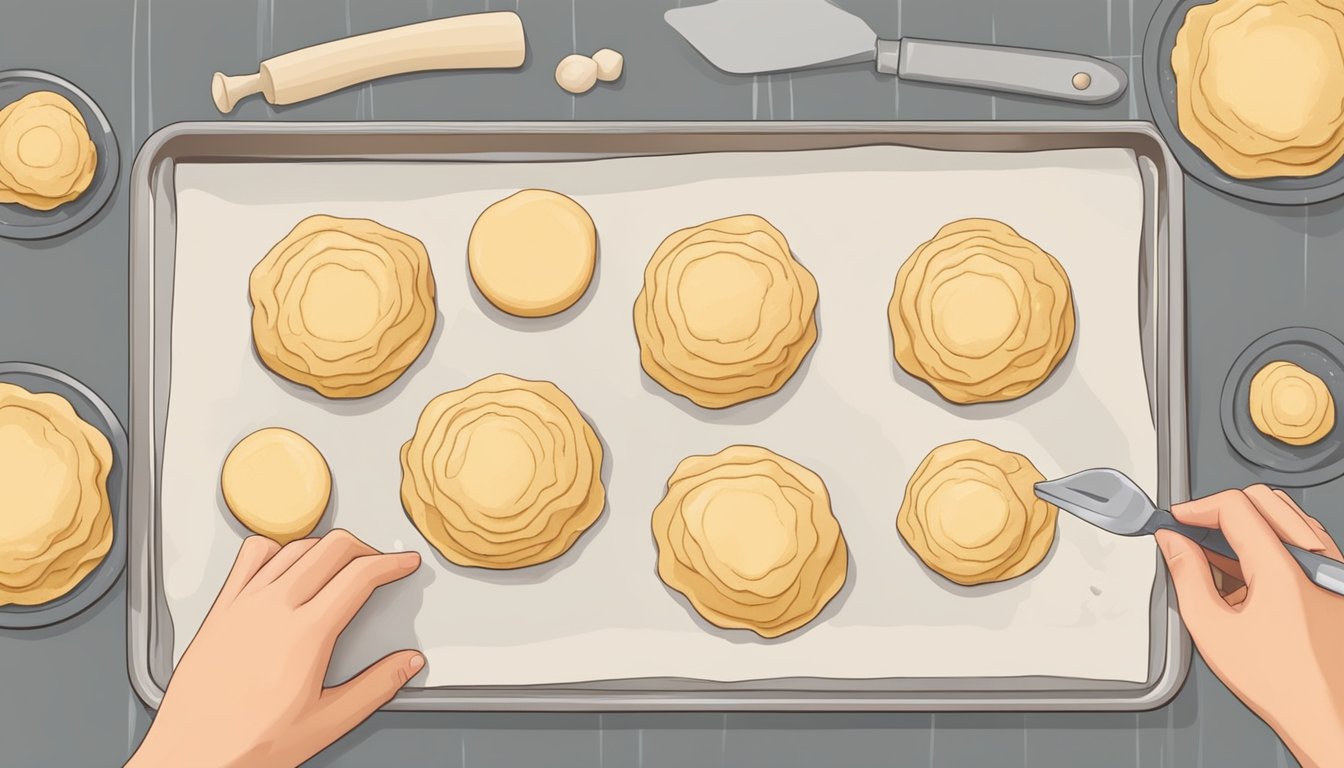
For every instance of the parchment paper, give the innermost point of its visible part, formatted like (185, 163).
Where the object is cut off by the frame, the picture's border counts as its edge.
(600, 612)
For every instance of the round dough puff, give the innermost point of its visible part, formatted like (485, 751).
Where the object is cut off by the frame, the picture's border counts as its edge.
(1260, 85)
(981, 313)
(276, 483)
(749, 538)
(1291, 404)
(970, 513)
(55, 513)
(343, 306)
(532, 254)
(505, 473)
(726, 314)
(46, 155)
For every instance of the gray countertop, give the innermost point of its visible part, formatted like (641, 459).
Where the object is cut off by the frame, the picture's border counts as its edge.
(64, 695)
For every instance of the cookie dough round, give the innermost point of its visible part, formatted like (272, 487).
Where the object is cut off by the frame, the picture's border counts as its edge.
(1291, 404)
(276, 483)
(532, 254)
(505, 473)
(46, 155)
(55, 514)
(1260, 85)
(981, 313)
(971, 514)
(343, 306)
(727, 313)
(749, 538)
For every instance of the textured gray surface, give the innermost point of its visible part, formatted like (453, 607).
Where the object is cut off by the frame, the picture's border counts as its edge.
(1252, 268)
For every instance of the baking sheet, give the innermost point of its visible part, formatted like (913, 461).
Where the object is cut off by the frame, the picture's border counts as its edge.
(600, 612)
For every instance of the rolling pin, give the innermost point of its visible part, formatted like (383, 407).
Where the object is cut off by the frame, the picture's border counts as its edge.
(475, 41)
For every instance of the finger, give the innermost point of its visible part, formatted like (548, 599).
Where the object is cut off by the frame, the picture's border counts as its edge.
(283, 561)
(255, 552)
(1328, 546)
(1246, 530)
(333, 552)
(1202, 608)
(1284, 518)
(349, 704)
(1236, 597)
(349, 590)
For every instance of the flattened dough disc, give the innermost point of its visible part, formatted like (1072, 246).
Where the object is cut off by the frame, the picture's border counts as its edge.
(276, 483)
(532, 254)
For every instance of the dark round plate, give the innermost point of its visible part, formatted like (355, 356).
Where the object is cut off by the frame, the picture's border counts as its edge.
(37, 378)
(1282, 464)
(22, 223)
(1159, 84)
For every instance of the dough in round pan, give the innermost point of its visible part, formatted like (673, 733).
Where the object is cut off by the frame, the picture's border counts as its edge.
(726, 314)
(276, 483)
(55, 513)
(1260, 85)
(504, 473)
(1291, 404)
(971, 514)
(749, 538)
(532, 254)
(343, 306)
(981, 313)
(46, 155)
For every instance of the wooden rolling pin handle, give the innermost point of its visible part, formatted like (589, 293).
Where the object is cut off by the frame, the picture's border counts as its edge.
(228, 89)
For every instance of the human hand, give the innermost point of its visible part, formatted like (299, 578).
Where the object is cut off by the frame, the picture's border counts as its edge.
(1271, 635)
(248, 691)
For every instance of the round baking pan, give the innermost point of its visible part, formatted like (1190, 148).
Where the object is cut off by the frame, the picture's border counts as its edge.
(20, 223)
(1280, 463)
(1159, 85)
(37, 378)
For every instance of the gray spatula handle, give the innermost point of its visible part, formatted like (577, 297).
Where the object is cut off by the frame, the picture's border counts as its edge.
(1048, 74)
(1326, 573)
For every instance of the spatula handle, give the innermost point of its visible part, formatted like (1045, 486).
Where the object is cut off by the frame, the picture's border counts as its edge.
(1048, 74)
(1323, 571)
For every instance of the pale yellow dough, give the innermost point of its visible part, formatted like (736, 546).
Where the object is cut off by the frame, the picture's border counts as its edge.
(276, 483)
(1291, 404)
(46, 155)
(343, 306)
(1260, 85)
(981, 313)
(749, 538)
(970, 512)
(532, 254)
(727, 313)
(505, 473)
(55, 514)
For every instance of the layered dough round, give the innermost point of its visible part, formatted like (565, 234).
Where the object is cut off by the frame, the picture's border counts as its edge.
(343, 306)
(1291, 404)
(749, 538)
(55, 515)
(46, 156)
(276, 483)
(970, 513)
(727, 314)
(532, 254)
(505, 473)
(981, 313)
(1260, 85)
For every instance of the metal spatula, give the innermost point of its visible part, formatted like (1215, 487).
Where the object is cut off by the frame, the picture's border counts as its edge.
(1112, 502)
(745, 37)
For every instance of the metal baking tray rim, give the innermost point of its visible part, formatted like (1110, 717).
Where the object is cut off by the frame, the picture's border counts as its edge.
(151, 182)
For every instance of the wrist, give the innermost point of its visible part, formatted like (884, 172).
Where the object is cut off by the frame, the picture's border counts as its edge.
(1319, 747)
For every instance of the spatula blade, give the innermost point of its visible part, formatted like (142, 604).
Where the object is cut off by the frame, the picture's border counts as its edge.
(1103, 497)
(747, 37)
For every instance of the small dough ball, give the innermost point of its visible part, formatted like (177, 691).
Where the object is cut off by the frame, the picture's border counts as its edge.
(576, 74)
(1291, 404)
(277, 484)
(610, 64)
(532, 254)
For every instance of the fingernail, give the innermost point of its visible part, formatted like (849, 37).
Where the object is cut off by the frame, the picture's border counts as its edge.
(417, 661)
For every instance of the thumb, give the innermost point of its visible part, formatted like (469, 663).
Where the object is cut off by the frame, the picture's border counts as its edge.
(350, 703)
(1200, 604)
